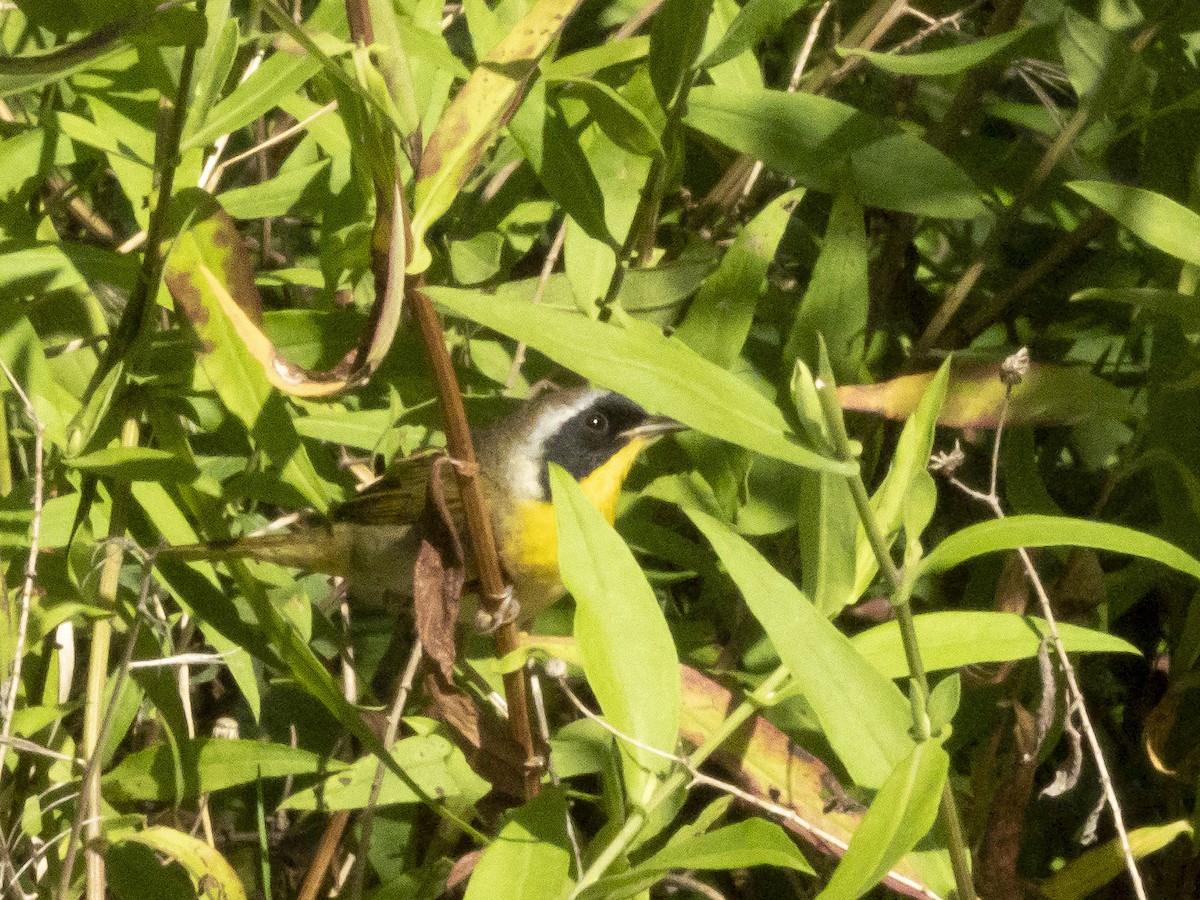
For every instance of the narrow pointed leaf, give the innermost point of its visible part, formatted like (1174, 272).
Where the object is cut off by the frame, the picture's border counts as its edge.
(627, 650)
(901, 814)
(864, 716)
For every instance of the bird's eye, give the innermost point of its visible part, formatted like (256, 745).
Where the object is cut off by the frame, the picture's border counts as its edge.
(597, 422)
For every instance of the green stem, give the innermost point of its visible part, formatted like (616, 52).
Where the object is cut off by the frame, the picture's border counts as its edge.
(139, 306)
(678, 779)
(95, 710)
(955, 841)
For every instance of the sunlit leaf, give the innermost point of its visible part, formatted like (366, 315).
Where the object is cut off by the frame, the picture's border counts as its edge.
(627, 650)
(953, 638)
(899, 816)
(1157, 220)
(1054, 531)
(863, 715)
(530, 857)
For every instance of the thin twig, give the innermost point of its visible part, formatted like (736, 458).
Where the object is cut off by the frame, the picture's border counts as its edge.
(793, 83)
(35, 532)
(367, 820)
(1078, 708)
(539, 711)
(219, 171)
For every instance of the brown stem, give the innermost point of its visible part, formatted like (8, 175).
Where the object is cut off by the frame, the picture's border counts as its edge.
(479, 523)
(458, 440)
(330, 839)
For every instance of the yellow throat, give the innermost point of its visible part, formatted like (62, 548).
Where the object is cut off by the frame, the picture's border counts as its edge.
(536, 530)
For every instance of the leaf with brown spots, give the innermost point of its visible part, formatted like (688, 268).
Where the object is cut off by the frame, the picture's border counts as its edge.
(218, 267)
(764, 761)
(1049, 395)
(204, 259)
(486, 102)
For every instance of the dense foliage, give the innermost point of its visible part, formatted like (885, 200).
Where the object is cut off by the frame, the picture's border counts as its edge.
(817, 234)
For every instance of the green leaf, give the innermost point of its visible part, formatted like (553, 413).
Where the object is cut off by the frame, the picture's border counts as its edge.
(592, 59)
(210, 873)
(434, 768)
(1157, 220)
(862, 714)
(214, 62)
(719, 319)
(136, 464)
(954, 638)
(281, 73)
(907, 476)
(625, 124)
(834, 307)
(676, 36)
(273, 197)
(530, 857)
(950, 61)
(660, 373)
(207, 765)
(42, 268)
(627, 650)
(1083, 877)
(1052, 531)
(901, 814)
(827, 523)
(552, 148)
(943, 702)
(756, 20)
(829, 146)
(754, 842)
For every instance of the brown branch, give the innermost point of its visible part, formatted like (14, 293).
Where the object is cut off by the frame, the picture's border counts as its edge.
(461, 448)
(479, 523)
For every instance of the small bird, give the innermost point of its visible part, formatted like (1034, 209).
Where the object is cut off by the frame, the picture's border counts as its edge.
(372, 541)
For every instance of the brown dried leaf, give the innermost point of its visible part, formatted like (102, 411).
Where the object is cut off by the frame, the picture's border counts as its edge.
(438, 577)
(484, 739)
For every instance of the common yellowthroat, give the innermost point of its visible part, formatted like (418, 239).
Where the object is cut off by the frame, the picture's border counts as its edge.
(371, 540)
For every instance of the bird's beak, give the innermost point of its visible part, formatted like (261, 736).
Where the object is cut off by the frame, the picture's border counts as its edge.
(653, 427)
